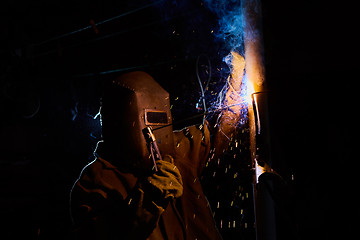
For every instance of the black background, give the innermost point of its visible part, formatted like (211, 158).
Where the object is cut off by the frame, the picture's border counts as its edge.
(311, 69)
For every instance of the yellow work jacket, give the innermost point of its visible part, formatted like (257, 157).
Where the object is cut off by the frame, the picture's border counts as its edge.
(108, 203)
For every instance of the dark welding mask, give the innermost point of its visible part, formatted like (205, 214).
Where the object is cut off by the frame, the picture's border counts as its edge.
(135, 106)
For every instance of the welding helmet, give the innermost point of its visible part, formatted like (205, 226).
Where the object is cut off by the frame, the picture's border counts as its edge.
(130, 104)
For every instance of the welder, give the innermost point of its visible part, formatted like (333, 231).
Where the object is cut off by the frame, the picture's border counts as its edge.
(145, 180)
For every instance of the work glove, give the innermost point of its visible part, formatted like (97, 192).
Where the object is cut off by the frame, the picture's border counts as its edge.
(166, 182)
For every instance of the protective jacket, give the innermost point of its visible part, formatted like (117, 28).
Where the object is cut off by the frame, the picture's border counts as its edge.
(110, 203)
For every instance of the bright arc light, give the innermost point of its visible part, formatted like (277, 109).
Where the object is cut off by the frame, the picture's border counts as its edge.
(240, 80)
(249, 91)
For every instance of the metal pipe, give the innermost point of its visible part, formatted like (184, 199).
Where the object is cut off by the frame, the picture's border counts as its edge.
(264, 202)
(258, 120)
(99, 23)
(110, 35)
(117, 70)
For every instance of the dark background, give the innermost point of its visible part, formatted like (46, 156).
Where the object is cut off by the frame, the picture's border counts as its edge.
(51, 85)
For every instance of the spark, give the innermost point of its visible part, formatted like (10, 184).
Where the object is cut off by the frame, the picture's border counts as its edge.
(98, 114)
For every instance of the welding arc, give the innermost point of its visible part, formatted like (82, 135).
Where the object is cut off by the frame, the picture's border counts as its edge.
(99, 23)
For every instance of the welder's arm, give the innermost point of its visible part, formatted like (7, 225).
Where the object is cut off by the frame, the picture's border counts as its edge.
(102, 211)
(230, 115)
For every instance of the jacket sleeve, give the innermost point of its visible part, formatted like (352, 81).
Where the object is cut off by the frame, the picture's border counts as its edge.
(230, 115)
(106, 204)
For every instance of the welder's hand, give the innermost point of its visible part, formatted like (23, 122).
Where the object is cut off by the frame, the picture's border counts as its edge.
(167, 181)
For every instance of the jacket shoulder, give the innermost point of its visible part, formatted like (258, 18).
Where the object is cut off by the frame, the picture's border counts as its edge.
(192, 146)
(100, 174)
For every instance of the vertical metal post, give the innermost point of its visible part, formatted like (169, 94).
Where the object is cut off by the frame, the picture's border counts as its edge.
(258, 120)
(263, 185)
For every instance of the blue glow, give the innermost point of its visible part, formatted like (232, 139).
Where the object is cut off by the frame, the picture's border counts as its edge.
(245, 100)
(230, 31)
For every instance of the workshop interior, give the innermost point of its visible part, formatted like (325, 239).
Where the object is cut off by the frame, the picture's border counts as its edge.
(289, 172)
